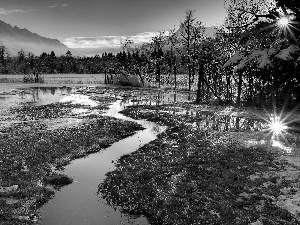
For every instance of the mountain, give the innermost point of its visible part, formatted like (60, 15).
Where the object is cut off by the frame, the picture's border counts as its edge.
(14, 39)
(91, 52)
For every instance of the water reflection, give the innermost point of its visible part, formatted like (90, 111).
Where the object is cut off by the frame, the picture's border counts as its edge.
(120, 105)
(203, 119)
(52, 90)
(39, 96)
(161, 98)
(36, 95)
(207, 120)
(228, 123)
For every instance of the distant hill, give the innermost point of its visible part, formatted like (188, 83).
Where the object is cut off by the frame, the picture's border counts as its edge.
(14, 39)
(91, 52)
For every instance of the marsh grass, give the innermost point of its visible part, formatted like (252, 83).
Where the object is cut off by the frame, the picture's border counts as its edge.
(188, 176)
(30, 78)
(29, 154)
(10, 80)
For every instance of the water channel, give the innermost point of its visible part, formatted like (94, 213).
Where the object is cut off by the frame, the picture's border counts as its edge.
(78, 203)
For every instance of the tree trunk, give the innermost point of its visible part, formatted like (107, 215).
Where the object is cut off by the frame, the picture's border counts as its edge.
(204, 81)
(199, 86)
(36, 75)
(189, 68)
(237, 123)
(158, 74)
(111, 76)
(175, 76)
(240, 82)
(228, 94)
(140, 75)
(36, 80)
(250, 86)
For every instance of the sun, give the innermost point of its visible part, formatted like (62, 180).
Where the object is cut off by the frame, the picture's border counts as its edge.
(283, 22)
(276, 125)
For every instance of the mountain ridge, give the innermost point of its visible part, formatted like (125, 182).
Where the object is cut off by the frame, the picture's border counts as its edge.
(14, 39)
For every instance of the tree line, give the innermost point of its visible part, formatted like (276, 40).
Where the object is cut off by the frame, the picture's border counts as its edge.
(252, 59)
(50, 63)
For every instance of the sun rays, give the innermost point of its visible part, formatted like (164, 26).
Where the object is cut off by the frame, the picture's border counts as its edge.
(285, 25)
(280, 127)
(276, 125)
(283, 22)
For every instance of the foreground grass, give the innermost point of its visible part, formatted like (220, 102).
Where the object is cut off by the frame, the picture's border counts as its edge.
(188, 176)
(30, 152)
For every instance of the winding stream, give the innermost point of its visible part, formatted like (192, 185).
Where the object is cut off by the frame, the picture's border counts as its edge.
(78, 203)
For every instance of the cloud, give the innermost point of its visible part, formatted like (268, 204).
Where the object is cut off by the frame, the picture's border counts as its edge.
(106, 41)
(7, 11)
(55, 5)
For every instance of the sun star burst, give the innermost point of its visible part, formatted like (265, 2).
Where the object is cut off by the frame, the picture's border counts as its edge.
(283, 22)
(276, 125)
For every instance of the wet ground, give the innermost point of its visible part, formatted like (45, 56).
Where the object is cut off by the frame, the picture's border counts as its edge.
(43, 129)
(195, 176)
(53, 125)
(58, 78)
(205, 152)
(78, 203)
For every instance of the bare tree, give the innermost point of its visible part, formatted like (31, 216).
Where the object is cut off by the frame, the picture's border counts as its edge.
(186, 31)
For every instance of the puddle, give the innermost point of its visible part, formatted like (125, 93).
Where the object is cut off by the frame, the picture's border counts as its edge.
(37, 96)
(10, 98)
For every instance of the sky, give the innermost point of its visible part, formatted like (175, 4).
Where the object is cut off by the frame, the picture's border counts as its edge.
(96, 24)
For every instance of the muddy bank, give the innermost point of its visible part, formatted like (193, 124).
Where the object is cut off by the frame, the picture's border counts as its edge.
(192, 176)
(36, 140)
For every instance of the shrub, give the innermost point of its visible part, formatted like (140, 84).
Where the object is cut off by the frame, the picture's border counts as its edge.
(29, 78)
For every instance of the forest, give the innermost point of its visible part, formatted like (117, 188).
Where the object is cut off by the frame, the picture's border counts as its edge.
(251, 60)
